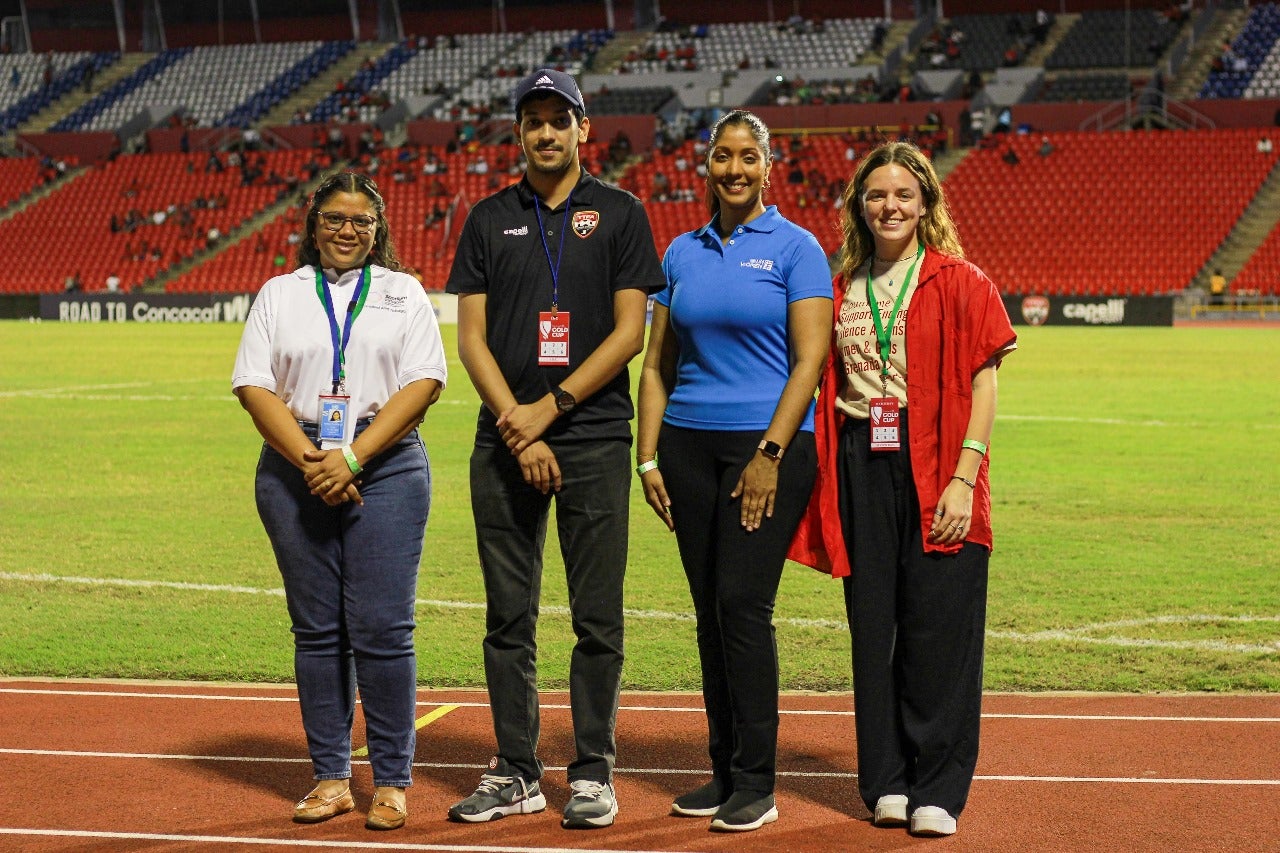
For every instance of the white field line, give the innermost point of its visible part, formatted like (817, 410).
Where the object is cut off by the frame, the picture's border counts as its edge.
(624, 707)
(1078, 634)
(293, 842)
(640, 771)
(78, 392)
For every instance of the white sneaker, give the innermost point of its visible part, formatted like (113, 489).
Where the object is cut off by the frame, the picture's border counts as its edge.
(931, 820)
(891, 810)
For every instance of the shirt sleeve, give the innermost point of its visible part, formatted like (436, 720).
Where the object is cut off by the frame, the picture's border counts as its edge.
(637, 260)
(423, 353)
(663, 297)
(253, 358)
(991, 332)
(468, 272)
(809, 275)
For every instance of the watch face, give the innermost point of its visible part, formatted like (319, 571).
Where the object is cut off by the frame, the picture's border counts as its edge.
(565, 401)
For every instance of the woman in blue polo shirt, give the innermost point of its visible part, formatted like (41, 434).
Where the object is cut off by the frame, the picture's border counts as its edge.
(738, 340)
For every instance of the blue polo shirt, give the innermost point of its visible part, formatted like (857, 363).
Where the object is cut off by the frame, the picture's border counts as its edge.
(728, 306)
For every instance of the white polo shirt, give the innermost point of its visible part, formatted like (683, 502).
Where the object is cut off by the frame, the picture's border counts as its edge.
(287, 346)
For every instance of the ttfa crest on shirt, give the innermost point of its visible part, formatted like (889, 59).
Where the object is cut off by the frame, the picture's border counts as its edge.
(584, 222)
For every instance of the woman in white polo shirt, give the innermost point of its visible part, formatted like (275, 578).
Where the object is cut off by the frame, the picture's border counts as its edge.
(337, 365)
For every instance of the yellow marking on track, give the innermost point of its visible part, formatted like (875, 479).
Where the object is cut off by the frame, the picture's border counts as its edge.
(424, 720)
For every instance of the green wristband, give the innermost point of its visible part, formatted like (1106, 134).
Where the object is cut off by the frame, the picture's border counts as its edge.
(645, 467)
(352, 462)
(974, 444)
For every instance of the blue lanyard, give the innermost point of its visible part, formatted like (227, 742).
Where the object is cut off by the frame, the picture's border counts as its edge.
(354, 308)
(555, 267)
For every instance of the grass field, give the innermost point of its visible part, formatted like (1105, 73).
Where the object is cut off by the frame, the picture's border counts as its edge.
(1134, 474)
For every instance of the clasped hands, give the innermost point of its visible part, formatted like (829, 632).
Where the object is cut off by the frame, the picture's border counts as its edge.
(520, 428)
(329, 477)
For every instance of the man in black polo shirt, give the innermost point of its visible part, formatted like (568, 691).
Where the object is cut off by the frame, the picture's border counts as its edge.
(552, 277)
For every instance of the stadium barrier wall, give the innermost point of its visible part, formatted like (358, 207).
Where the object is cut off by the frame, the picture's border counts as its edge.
(161, 307)
(1090, 310)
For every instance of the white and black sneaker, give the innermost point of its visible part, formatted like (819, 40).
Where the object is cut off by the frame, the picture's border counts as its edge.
(701, 802)
(592, 805)
(499, 794)
(745, 811)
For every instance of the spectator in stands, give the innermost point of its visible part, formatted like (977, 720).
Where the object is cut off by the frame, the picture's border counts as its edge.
(1264, 145)
(1046, 147)
(878, 35)
(554, 425)
(1217, 287)
(113, 283)
(1010, 156)
(15, 78)
(732, 328)
(903, 512)
(1040, 29)
(72, 284)
(344, 495)
(1004, 120)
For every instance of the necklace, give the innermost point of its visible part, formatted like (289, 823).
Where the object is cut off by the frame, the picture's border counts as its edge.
(898, 261)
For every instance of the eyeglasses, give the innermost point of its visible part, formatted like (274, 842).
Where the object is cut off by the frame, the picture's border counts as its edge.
(361, 223)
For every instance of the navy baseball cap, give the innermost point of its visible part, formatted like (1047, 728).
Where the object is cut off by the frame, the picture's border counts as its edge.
(548, 81)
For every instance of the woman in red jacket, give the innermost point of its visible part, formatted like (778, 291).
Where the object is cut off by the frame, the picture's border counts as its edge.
(918, 330)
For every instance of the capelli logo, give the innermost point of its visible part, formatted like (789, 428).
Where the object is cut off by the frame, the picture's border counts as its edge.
(522, 231)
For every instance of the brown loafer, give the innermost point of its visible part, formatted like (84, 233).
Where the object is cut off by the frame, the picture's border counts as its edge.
(385, 814)
(314, 808)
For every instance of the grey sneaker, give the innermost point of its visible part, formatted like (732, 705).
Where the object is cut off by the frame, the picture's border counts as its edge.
(499, 794)
(592, 805)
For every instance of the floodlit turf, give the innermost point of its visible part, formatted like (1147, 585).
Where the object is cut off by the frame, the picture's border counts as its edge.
(1135, 487)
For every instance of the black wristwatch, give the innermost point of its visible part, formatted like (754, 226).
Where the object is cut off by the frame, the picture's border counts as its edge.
(564, 400)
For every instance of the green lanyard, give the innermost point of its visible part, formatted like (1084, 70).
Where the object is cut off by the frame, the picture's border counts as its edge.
(884, 337)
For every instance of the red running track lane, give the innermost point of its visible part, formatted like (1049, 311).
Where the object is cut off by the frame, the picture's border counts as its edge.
(96, 767)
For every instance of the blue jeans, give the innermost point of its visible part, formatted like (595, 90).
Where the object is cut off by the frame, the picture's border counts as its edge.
(350, 578)
(592, 512)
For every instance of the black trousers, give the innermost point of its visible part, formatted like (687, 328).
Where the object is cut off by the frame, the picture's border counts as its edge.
(733, 578)
(917, 621)
(592, 513)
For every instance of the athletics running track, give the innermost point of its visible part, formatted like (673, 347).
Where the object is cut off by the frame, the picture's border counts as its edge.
(127, 766)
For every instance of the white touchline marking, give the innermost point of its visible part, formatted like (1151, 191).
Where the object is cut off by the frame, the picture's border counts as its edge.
(659, 709)
(656, 771)
(1078, 634)
(296, 842)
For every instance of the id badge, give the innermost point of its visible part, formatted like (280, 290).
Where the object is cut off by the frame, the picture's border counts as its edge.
(885, 424)
(333, 420)
(553, 339)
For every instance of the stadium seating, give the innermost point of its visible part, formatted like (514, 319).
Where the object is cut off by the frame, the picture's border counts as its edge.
(1113, 38)
(18, 176)
(470, 76)
(1114, 213)
(22, 89)
(1085, 87)
(76, 219)
(1256, 46)
(839, 42)
(1261, 273)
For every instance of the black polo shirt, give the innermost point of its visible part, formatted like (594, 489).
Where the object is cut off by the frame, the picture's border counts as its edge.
(609, 247)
